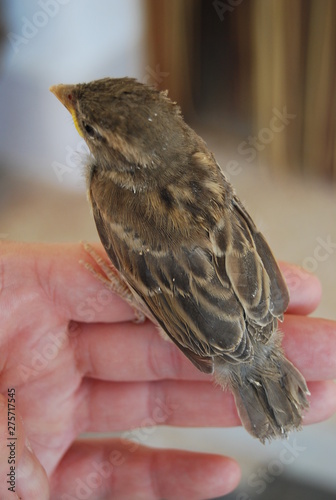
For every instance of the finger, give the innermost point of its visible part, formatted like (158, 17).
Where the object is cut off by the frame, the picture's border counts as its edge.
(304, 289)
(127, 352)
(121, 470)
(322, 402)
(57, 274)
(11, 446)
(21, 474)
(79, 295)
(32, 478)
(310, 343)
(56, 269)
(121, 406)
(85, 298)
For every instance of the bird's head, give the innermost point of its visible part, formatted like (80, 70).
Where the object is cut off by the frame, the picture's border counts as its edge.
(126, 124)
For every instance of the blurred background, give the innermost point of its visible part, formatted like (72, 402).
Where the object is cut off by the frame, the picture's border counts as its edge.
(255, 78)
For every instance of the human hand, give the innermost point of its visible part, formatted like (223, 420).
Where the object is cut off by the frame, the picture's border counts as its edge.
(79, 364)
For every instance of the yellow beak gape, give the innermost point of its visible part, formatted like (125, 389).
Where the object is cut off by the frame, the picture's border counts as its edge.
(64, 95)
(74, 117)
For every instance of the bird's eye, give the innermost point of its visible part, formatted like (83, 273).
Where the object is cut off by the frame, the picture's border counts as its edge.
(89, 130)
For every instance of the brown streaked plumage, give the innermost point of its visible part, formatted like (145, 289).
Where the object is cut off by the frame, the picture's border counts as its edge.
(180, 238)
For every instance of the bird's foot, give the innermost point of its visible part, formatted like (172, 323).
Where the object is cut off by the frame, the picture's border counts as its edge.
(111, 278)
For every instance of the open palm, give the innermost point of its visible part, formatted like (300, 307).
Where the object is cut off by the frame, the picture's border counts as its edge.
(78, 363)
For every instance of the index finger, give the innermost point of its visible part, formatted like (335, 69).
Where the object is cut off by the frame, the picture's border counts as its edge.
(82, 297)
(304, 289)
(77, 293)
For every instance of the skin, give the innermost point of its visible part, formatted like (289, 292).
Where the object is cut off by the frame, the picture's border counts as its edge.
(70, 380)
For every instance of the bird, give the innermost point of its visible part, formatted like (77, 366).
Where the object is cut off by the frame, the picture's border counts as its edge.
(183, 246)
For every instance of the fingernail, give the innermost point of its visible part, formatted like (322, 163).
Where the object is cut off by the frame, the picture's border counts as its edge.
(26, 464)
(28, 445)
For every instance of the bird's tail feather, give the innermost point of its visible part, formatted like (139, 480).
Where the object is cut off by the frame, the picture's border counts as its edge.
(270, 402)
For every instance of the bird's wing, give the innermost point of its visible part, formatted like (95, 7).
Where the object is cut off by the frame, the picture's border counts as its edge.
(210, 299)
(243, 254)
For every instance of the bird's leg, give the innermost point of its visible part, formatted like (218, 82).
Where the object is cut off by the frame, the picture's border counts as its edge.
(112, 280)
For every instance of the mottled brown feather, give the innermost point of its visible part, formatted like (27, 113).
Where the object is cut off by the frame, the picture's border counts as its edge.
(186, 247)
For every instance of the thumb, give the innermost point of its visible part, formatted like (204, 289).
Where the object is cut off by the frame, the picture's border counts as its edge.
(21, 474)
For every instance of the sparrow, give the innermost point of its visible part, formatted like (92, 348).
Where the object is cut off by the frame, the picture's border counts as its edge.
(185, 247)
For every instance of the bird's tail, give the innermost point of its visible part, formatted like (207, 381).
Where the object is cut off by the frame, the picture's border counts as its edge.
(270, 394)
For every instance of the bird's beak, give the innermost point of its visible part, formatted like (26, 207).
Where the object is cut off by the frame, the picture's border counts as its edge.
(65, 94)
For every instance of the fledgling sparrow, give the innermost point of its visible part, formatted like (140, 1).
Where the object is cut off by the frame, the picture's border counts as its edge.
(186, 248)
